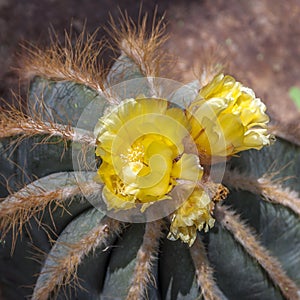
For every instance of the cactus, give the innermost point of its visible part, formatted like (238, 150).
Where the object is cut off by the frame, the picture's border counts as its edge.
(57, 241)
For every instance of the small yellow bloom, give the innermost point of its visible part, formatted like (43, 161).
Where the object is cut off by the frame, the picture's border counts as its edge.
(141, 144)
(194, 214)
(227, 118)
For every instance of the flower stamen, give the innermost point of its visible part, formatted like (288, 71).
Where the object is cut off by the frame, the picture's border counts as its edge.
(135, 153)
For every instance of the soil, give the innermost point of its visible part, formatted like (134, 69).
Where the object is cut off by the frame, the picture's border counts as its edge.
(258, 39)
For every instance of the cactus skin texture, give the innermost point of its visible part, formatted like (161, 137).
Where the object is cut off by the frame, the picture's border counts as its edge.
(56, 245)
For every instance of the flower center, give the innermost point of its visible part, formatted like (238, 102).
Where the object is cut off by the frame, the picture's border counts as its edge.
(135, 153)
(146, 164)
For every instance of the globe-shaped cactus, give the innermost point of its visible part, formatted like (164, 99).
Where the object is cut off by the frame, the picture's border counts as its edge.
(139, 187)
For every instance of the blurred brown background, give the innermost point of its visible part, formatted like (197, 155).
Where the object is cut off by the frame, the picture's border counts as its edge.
(260, 39)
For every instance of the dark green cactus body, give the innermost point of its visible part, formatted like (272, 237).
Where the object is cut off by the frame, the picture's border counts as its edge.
(106, 274)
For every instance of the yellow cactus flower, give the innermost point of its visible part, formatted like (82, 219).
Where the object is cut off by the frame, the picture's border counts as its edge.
(141, 144)
(194, 214)
(147, 153)
(227, 118)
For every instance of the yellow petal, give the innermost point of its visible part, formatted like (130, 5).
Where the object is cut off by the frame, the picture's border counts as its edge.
(187, 168)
